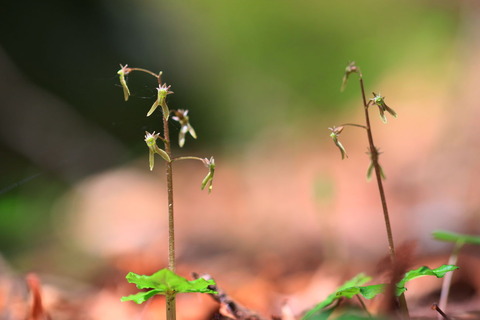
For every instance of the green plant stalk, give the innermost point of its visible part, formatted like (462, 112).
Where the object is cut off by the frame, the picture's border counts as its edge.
(171, 305)
(374, 157)
(447, 281)
(376, 165)
(187, 158)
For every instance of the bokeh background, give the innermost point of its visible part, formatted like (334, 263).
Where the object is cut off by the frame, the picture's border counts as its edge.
(261, 80)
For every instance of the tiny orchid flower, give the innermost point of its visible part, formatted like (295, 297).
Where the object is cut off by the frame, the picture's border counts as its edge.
(210, 164)
(334, 135)
(163, 90)
(376, 153)
(351, 68)
(379, 101)
(151, 141)
(122, 73)
(182, 118)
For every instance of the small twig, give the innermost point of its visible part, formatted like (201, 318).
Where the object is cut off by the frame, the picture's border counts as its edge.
(36, 312)
(364, 307)
(354, 125)
(147, 71)
(436, 308)
(229, 307)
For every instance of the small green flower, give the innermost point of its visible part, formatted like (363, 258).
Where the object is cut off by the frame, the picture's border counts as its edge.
(210, 164)
(182, 118)
(351, 68)
(162, 92)
(122, 73)
(334, 135)
(371, 167)
(151, 141)
(379, 101)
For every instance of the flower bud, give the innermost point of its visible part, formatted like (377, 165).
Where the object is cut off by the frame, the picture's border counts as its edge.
(162, 92)
(334, 135)
(351, 68)
(151, 141)
(122, 73)
(379, 101)
(210, 164)
(182, 118)
(374, 158)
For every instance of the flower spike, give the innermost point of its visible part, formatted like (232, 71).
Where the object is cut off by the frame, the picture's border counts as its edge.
(379, 101)
(122, 73)
(163, 90)
(210, 164)
(182, 118)
(334, 135)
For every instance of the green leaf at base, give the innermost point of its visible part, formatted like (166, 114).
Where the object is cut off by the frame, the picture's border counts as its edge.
(317, 310)
(369, 292)
(165, 282)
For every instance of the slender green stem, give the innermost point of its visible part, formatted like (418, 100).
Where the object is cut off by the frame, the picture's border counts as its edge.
(447, 281)
(187, 158)
(374, 154)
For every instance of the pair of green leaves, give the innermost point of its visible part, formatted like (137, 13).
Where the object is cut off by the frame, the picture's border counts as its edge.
(355, 286)
(165, 282)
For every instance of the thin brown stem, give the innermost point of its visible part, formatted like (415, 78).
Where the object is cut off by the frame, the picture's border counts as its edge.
(364, 307)
(374, 154)
(146, 71)
(353, 125)
(171, 307)
(440, 312)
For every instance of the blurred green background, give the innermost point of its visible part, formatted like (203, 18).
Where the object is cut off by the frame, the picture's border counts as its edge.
(240, 67)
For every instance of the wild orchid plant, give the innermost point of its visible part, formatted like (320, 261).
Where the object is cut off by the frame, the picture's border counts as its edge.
(379, 101)
(166, 282)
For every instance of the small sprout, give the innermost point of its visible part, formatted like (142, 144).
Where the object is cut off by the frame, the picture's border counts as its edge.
(151, 141)
(371, 291)
(334, 135)
(122, 73)
(163, 91)
(165, 282)
(351, 68)
(379, 101)
(210, 164)
(182, 118)
(317, 311)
